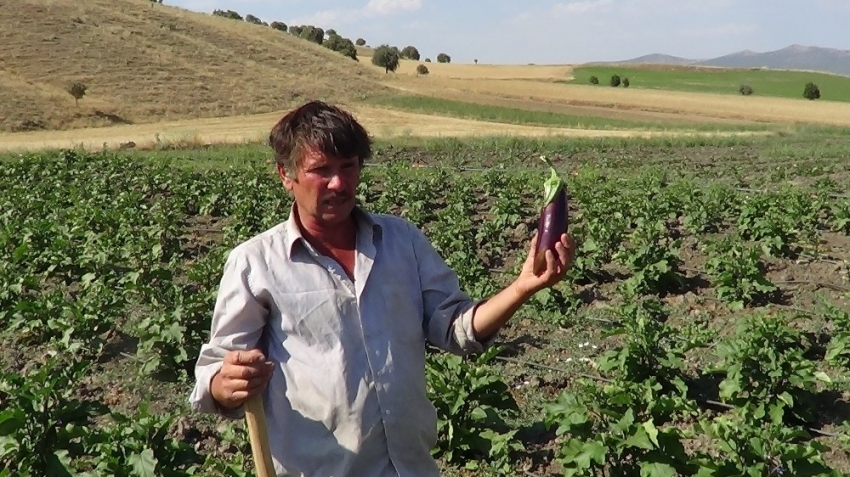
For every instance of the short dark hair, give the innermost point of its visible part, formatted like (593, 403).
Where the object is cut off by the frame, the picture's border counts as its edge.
(316, 124)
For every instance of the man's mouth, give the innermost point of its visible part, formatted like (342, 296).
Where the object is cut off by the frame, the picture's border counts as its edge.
(338, 200)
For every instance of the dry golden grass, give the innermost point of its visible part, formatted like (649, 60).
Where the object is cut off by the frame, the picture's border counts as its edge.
(381, 123)
(730, 107)
(146, 62)
(467, 71)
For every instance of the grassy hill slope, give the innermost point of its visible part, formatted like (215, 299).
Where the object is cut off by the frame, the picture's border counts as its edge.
(145, 62)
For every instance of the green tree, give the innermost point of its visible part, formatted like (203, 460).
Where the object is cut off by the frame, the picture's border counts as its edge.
(342, 45)
(745, 89)
(626, 82)
(252, 19)
(311, 33)
(410, 52)
(386, 57)
(77, 90)
(279, 26)
(615, 80)
(427, 60)
(360, 42)
(295, 30)
(594, 80)
(811, 91)
(444, 58)
(227, 14)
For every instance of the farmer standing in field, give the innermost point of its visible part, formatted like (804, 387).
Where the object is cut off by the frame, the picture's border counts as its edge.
(327, 315)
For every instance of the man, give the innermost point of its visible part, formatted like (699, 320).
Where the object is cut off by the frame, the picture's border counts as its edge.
(327, 315)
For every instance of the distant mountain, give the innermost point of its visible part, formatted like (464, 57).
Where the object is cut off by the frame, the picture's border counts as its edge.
(659, 59)
(794, 57)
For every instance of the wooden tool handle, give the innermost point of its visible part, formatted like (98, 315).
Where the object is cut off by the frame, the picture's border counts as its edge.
(255, 417)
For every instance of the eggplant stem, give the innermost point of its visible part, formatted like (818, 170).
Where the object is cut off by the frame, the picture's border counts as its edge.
(553, 185)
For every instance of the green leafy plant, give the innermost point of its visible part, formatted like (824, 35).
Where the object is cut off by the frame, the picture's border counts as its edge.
(41, 421)
(738, 275)
(612, 431)
(766, 371)
(472, 404)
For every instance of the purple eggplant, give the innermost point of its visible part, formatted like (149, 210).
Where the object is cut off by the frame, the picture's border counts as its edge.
(554, 216)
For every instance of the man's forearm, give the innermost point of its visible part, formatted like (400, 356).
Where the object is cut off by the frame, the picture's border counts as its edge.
(492, 314)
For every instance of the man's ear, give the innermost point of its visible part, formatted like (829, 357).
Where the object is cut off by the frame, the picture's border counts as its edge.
(285, 178)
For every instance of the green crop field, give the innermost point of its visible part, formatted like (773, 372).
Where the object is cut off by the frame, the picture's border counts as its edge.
(704, 329)
(785, 84)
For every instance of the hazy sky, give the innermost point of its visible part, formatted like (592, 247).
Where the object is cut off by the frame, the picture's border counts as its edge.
(537, 31)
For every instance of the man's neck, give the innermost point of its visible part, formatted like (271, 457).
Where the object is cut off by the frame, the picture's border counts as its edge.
(338, 237)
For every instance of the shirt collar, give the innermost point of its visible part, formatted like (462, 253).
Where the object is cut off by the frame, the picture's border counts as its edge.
(364, 220)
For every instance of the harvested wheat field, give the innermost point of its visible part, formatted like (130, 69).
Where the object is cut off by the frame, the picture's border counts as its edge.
(481, 71)
(734, 107)
(382, 123)
(144, 62)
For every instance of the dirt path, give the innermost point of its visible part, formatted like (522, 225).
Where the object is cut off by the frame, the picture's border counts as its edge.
(382, 123)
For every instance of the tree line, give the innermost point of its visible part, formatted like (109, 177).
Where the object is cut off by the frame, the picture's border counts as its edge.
(385, 56)
(329, 39)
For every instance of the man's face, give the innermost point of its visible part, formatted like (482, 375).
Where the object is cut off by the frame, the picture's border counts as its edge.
(324, 188)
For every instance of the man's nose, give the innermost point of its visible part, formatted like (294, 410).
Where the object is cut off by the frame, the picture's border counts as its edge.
(336, 182)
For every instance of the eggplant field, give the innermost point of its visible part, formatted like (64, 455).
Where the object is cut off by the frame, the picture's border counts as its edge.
(704, 329)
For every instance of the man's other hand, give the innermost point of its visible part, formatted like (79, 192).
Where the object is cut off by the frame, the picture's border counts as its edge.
(243, 375)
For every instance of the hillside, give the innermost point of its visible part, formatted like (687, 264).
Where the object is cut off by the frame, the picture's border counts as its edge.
(146, 62)
(793, 57)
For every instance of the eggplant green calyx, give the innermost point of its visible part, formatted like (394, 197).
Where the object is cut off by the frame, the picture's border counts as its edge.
(553, 184)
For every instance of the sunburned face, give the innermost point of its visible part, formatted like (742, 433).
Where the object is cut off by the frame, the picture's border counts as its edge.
(324, 188)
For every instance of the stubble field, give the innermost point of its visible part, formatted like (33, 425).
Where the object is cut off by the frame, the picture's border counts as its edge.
(702, 331)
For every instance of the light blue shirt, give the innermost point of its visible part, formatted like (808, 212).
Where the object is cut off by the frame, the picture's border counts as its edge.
(348, 395)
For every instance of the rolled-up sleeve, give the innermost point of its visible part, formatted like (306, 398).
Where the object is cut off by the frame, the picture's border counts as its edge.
(237, 324)
(448, 309)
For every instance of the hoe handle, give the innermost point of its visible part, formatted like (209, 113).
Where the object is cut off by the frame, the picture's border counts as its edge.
(255, 417)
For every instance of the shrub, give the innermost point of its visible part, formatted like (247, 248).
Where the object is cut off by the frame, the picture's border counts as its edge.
(278, 26)
(252, 19)
(427, 60)
(386, 57)
(295, 30)
(626, 82)
(811, 91)
(422, 69)
(745, 90)
(615, 80)
(360, 42)
(410, 52)
(227, 14)
(77, 90)
(594, 80)
(444, 58)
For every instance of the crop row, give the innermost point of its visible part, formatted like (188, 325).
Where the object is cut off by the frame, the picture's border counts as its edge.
(92, 250)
